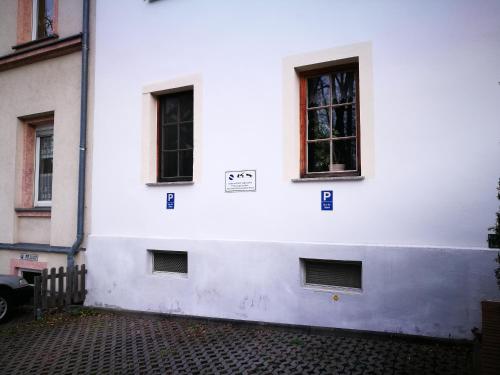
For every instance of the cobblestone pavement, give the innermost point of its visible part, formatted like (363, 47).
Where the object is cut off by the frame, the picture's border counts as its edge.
(100, 342)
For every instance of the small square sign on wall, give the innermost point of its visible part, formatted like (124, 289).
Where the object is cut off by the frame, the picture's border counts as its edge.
(327, 200)
(170, 201)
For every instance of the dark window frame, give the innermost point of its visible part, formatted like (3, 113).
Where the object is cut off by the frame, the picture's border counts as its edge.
(159, 137)
(303, 107)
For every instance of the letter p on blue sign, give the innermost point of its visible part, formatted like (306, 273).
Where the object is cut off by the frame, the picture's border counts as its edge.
(327, 200)
(170, 201)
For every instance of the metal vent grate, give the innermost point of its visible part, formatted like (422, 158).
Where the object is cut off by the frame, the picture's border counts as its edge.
(170, 261)
(337, 273)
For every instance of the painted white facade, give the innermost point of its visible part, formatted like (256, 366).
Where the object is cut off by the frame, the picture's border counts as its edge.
(430, 151)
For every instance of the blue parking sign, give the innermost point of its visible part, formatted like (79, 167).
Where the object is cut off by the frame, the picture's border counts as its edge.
(327, 200)
(170, 201)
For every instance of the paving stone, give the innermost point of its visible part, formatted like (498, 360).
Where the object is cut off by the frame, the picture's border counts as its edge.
(126, 343)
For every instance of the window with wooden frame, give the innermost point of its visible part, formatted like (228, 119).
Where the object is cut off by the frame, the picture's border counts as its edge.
(43, 166)
(175, 137)
(43, 19)
(329, 122)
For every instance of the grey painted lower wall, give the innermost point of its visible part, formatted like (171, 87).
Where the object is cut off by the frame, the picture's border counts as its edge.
(412, 290)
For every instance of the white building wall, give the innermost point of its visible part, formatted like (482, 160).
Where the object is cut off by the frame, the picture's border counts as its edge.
(416, 221)
(421, 291)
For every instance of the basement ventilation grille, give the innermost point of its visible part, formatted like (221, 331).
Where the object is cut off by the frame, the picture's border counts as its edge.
(332, 273)
(170, 261)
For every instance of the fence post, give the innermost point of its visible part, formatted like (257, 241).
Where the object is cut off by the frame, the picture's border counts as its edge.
(83, 291)
(69, 279)
(60, 287)
(36, 297)
(44, 289)
(75, 287)
(52, 287)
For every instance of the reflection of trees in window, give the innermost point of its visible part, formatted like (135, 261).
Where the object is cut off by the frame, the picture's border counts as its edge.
(318, 89)
(331, 139)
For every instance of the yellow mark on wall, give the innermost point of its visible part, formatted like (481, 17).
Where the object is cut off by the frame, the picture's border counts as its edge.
(335, 297)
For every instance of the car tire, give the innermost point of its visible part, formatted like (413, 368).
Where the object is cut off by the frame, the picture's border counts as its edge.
(6, 306)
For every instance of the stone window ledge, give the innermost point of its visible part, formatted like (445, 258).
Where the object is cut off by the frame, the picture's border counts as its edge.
(39, 52)
(169, 183)
(36, 42)
(322, 179)
(33, 211)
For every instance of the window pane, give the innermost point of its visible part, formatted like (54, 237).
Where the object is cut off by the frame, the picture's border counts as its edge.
(186, 163)
(176, 128)
(45, 18)
(45, 187)
(344, 121)
(318, 123)
(344, 154)
(318, 156)
(186, 135)
(169, 136)
(186, 106)
(169, 164)
(45, 168)
(344, 87)
(170, 110)
(46, 147)
(318, 91)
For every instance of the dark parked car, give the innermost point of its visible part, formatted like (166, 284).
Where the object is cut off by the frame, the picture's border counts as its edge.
(14, 291)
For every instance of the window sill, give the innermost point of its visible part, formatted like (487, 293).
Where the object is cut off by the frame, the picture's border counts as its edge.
(322, 179)
(35, 42)
(170, 183)
(175, 275)
(332, 289)
(41, 51)
(33, 211)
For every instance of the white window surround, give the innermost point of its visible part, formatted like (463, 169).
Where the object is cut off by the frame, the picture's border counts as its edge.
(34, 20)
(292, 66)
(149, 126)
(41, 131)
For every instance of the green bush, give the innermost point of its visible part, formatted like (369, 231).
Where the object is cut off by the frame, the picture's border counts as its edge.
(494, 237)
(497, 271)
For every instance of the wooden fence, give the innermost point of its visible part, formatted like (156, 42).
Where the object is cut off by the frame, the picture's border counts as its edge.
(56, 290)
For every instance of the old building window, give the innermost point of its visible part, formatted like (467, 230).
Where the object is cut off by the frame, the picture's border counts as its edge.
(43, 18)
(329, 115)
(175, 137)
(43, 165)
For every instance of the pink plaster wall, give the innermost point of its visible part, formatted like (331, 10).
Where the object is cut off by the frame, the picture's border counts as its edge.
(28, 167)
(16, 264)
